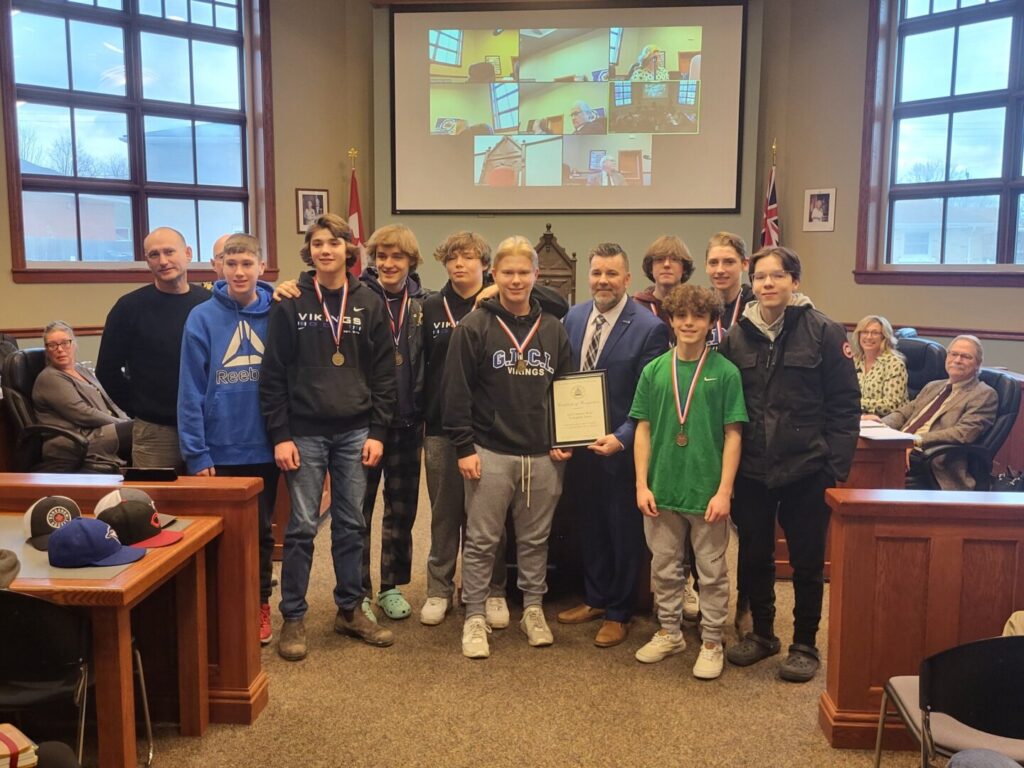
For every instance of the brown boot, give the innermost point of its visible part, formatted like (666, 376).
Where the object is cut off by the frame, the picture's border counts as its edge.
(361, 627)
(292, 644)
(580, 614)
(611, 633)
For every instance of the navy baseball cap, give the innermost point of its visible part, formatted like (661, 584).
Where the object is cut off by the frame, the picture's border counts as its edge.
(86, 541)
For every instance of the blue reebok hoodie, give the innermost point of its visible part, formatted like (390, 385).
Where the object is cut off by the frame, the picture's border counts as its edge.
(219, 419)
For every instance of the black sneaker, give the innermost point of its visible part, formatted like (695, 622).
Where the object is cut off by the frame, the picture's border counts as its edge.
(752, 649)
(801, 664)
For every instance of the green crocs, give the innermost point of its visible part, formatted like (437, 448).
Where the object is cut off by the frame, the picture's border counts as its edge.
(368, 610)
(395, 606)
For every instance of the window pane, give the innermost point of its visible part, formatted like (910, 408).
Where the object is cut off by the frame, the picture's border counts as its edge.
(202, 13)
(169, 150)
(915, 231)
(165, 68)
(943, 5)
(969, 3)
(151, 7)
(976, 151)
(1018, 251)
(106, 228)
(921, 149)
(227, 18)
(51, 226)
(971, 230)
(180, 214)
(216, 67)
(44, 139)
(927, 65)
(115, 4)
(101, 144)
(219, 154)
(97, 58)
(917, 8)
(176, 10)
(40, 55)
(983, 56)
(217, 217)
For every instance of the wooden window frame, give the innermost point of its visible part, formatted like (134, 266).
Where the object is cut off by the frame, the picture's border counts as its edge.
(876, 157)
(258, 165)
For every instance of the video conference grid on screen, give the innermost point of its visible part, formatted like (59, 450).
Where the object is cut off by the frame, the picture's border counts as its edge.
(564, 107)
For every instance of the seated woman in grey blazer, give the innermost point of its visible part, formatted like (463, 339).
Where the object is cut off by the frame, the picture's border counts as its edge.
(67, 394)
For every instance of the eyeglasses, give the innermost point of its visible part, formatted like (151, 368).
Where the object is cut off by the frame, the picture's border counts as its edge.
(53, 346)
(760, 277)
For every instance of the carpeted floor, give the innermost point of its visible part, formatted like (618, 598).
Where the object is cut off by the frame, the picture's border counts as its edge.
(420, 703)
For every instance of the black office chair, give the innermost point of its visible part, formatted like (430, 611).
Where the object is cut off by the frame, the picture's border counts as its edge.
(926, 361)
(982, 452)
(45, 652)
(20, 370)
(967, 697)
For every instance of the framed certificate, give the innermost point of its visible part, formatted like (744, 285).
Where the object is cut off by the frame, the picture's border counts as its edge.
(579, 409)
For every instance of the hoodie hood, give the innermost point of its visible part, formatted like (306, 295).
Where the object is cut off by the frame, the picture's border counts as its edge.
(753, 313)
(494, 306)
(259, 308)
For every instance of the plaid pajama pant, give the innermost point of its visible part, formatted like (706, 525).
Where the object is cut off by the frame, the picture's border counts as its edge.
(401, 470)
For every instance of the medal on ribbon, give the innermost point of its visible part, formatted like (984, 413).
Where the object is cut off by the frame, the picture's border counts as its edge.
(735, 314)
(520, 348)
(683, 411)
(396, 332)
(337, 331)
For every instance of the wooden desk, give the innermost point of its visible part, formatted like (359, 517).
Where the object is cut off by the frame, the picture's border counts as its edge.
(110, 603)
(238, 685)
(914, 573)
(879, 462)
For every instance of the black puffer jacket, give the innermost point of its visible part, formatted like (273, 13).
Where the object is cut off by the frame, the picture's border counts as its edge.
(802, 397)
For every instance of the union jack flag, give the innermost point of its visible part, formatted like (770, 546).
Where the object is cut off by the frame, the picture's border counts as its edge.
(770, 226)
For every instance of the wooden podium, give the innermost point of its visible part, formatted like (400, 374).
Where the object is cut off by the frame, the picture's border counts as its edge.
(913, 573)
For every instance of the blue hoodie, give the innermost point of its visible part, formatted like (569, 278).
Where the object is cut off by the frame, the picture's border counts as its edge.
(219, 419)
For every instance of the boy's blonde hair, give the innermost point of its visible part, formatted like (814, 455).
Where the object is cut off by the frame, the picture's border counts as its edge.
(517, 245)
(399, 236)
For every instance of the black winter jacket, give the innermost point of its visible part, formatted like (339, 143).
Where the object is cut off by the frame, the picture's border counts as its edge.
(802, 397)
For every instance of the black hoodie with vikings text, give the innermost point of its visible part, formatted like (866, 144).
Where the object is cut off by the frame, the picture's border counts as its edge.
(487, 401)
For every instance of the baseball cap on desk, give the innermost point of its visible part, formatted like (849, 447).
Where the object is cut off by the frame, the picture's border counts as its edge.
(45, 516)
(86, 541)
(137, 524)
(131, 494)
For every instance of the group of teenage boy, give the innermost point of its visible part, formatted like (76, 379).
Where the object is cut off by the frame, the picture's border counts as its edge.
(731, 402)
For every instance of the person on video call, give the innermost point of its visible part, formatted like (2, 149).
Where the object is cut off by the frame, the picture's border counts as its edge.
(586, 120)
(608, 176)
(648, 65)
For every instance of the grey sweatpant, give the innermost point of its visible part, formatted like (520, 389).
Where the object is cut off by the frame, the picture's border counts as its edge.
(531, 485)
(666, 537)
(447, 493)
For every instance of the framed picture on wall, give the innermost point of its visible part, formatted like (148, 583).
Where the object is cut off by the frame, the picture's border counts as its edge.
(309, 203)
(819, 210)
(494, 61)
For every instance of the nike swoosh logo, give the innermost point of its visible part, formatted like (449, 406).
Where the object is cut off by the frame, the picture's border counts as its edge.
(358, 309)
(707, 379)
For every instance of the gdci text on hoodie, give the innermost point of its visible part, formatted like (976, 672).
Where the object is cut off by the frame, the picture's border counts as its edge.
(302, 392)
(488, 399)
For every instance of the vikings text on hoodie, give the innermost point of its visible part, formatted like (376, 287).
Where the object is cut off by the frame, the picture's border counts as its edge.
(490, 401)
(219, 420)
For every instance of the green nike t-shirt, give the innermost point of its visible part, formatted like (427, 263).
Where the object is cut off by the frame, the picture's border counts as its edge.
(684, 478)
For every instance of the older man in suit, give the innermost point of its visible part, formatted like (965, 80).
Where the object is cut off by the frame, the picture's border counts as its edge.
(613, 334)
(608, 176)
(954, 411)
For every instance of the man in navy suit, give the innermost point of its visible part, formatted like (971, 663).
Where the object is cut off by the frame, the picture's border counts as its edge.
(613, 334)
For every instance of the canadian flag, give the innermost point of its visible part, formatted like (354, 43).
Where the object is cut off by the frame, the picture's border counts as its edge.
(355, 221)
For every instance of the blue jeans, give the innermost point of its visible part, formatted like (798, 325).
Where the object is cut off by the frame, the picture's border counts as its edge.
(341, 455)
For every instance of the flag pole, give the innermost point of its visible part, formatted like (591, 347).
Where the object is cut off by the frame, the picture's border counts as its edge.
(355, 210)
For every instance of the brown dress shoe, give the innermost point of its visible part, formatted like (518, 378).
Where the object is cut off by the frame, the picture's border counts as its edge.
(611, 633)
(581, 614)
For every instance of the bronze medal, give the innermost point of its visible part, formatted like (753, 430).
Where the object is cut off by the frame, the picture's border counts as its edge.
(338, 359)
(520, 365)
(681, 440)
(398, 358)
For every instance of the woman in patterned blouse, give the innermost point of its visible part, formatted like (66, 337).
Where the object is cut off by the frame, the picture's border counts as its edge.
(880, 368)
(648, 65)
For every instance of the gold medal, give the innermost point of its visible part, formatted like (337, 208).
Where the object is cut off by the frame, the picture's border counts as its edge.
(398, 358)
(681, 440)
(520, 365)
(338, 359)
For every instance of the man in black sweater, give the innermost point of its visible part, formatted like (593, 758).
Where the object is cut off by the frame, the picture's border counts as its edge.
(140, 351)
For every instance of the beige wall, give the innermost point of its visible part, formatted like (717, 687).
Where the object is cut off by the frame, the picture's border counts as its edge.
(330, 70)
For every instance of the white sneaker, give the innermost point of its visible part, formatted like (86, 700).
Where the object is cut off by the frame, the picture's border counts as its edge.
(496, 610)
(659, 647)
(535, 627)
(474, 638)
(691, 603)
(709, 662)
(433, 611)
